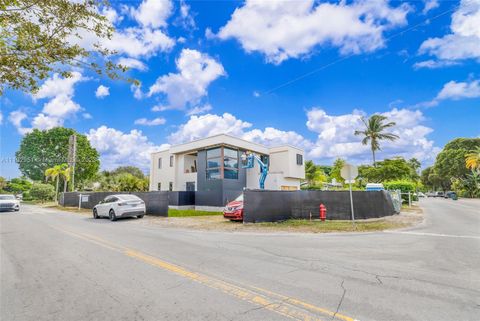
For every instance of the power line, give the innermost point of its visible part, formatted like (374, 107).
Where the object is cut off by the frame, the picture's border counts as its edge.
(353, 54)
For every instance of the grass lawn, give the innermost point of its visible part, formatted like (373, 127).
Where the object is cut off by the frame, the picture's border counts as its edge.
(332, 226)
(187, 213)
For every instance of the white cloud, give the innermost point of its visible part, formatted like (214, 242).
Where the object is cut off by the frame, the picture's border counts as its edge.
(139, 42)
(430, 5)
(458, 90)
(291, 29)
(207, 125)
(132, 63)
(152, 13)
(16, 118)
(187, 87)
(150, 122)
(57, 109)
(56, 85)
(117, 148)
(199, 110)
(186, 19)
(275, 137)
(145, 38)
(137, 91)
(453, 90)
(433, 64)
(336, 136)
(61, 106)
(87, 116)
(102, 91)
(464, 40)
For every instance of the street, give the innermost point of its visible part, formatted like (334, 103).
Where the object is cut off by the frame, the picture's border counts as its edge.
(63, 266)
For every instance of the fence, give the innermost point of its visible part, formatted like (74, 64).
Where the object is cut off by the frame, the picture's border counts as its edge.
(156, 203)
(271, 206)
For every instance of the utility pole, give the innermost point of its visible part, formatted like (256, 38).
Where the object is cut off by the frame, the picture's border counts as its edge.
(72, 156)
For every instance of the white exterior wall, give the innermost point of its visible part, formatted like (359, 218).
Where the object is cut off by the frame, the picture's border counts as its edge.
(165, 175)
(183, 163)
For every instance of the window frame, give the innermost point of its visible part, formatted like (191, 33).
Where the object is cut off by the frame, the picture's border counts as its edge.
(159, 163)
(170, 186)
(171, 160)
(159, 186)
(299, 159)
(221, 168)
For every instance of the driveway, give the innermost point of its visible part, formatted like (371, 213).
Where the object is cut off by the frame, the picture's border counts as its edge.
(62, 266)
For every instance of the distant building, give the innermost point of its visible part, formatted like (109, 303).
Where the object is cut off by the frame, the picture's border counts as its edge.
(212, 167)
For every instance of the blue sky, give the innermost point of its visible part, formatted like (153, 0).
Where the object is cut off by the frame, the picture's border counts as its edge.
(300, 73)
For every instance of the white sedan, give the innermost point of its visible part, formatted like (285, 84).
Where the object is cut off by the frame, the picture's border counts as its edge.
(9, 203)
(119, 206)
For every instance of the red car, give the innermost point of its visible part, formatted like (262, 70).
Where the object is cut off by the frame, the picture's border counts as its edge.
(234, 210)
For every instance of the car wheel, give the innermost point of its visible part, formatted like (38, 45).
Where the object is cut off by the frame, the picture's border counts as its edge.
(139, 216)
(112, 216)
(95, 214)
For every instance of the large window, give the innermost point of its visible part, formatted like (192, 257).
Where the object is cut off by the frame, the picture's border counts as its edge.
(222, 162)
(230, 163)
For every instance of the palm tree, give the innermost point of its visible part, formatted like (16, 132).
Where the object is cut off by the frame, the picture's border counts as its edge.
(54, 173)
(472, 159)
(374, 132)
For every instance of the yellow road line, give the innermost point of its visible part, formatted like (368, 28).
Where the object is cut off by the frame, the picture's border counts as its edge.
(289, 307)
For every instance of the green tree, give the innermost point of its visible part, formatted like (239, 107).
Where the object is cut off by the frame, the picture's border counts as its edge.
(135, 171)
(450, 162)
(310, 172)
(415, 166)
(18, 185)
(129, 183)
(3, 183)
(424, 177)
(38, 37)
(374, 132)
(336, 169)
(40, 150)
(42, 192)
(386, 170)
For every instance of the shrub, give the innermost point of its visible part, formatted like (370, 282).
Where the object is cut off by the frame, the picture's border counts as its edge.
(42, 192)
(404, 186)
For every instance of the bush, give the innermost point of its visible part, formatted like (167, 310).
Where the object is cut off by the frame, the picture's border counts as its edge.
(42, 192)
(404, 186)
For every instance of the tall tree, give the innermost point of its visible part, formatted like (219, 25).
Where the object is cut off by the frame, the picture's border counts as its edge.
(38, 37)
(450, 162)
(40, 150)
(374, 132)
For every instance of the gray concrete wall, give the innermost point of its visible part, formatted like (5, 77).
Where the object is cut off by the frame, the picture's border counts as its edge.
(271, 206)
(156, 203)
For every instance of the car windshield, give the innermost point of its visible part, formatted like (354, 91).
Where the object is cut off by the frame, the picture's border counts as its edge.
(129, 197)
(6, 197)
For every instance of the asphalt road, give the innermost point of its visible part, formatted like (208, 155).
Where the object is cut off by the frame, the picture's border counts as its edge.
(63, 266)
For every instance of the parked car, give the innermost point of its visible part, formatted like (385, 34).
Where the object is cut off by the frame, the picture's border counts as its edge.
(420, 194)
(431, 194)
(9, 202)
(452, 195)
(234, 209)
(120, 206)
(439, 194)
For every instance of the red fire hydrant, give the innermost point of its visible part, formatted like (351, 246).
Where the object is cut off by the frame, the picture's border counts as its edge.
(323, 212)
